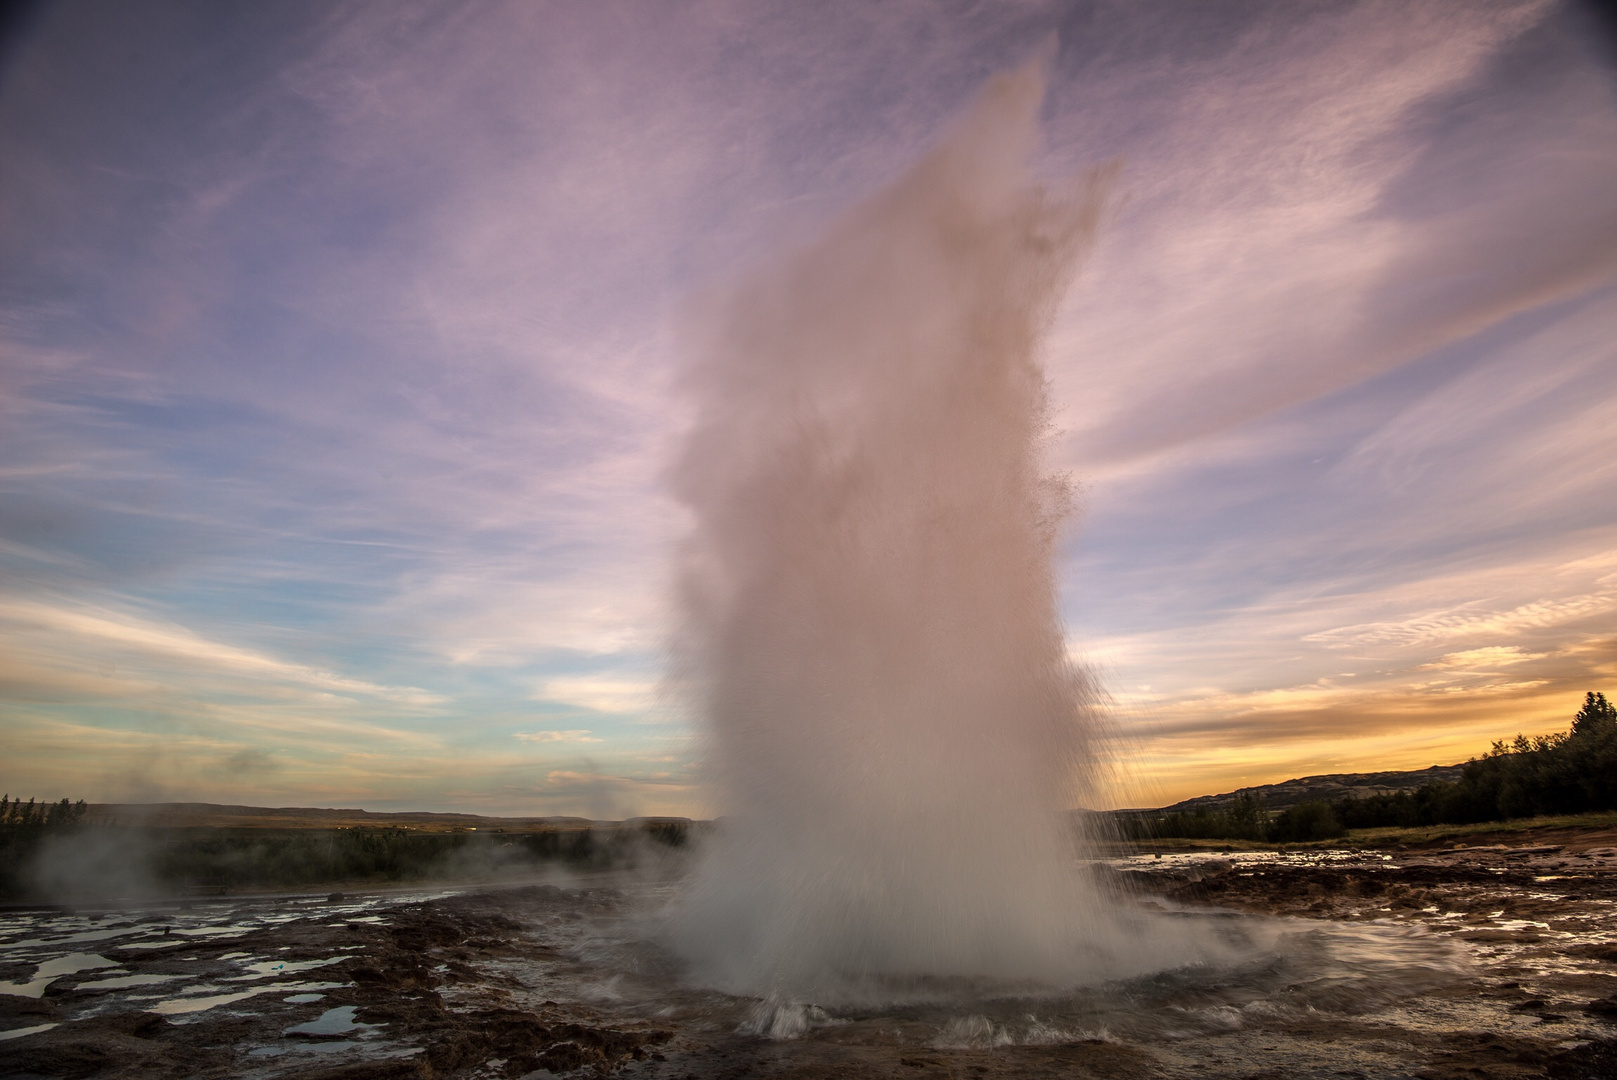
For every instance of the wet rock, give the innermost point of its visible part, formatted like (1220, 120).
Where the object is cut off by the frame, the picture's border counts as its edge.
(423, 933)
(1606, 953)
(140, 1025)
(1605, 1007)
(1473, 1054)
(391, 1069)
(1499, 937)
(1595, 1061)
(134, 1045)
(34, 1010)
(523, 1041)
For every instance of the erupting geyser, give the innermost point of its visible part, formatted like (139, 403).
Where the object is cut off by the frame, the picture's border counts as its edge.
(869, 628)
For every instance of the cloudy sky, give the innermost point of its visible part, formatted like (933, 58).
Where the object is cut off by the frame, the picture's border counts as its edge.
(339, 348)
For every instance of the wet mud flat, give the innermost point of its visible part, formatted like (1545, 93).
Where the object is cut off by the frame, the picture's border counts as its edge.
(1477, 962)
(376, 987)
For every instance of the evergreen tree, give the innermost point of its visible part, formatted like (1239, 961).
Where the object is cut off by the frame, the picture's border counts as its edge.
(1597, 713)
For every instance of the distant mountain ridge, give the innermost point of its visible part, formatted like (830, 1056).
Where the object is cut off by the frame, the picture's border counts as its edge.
(214, 815)
(1324, 788)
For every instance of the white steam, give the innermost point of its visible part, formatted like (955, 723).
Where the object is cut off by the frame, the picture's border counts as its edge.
(868, 600)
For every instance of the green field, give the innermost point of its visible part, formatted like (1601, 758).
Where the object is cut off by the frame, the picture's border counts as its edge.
(1592, 829)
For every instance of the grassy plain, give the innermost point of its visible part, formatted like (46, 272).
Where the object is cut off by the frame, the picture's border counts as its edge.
(132, 851)
(1576, 832)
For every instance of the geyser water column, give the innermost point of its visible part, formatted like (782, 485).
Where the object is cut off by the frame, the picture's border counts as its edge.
(868, 598)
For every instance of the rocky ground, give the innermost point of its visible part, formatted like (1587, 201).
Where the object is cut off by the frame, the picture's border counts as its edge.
(419, 993)
(1537, 920)
(1483, 961)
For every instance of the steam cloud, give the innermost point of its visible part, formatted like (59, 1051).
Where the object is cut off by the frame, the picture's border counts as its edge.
(868, 595)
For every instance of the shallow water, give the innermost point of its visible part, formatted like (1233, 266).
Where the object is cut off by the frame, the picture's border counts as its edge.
(46, 945)
(53, 968)
(338, 1021)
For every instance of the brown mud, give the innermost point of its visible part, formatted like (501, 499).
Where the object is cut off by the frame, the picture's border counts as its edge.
(1518, 978)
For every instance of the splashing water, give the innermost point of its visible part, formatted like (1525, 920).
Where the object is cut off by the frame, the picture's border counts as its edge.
(869, 601)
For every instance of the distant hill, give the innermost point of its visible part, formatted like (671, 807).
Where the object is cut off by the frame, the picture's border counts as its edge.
(1323, 788)
(213, 815)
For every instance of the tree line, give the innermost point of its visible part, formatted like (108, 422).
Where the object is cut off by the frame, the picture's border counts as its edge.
(1245, 818)
(16, 814)
(1568, 772)
(23, 825)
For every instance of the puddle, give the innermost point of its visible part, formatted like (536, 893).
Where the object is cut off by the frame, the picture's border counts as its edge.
(265, 969)
(104, 934)
(51, 970)
(326, 1046)
(183, 1006)
(122, 981)
(201, 999)
(333, 1022)
(160, 943)
(234, 930)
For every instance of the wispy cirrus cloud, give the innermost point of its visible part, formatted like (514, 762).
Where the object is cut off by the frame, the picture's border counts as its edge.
(1486, 659)
(1441, 626)
(1294, 244)
(95, 634)
(578, 736)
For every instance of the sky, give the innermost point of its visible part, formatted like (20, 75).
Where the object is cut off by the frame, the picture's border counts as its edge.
(340, 349)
